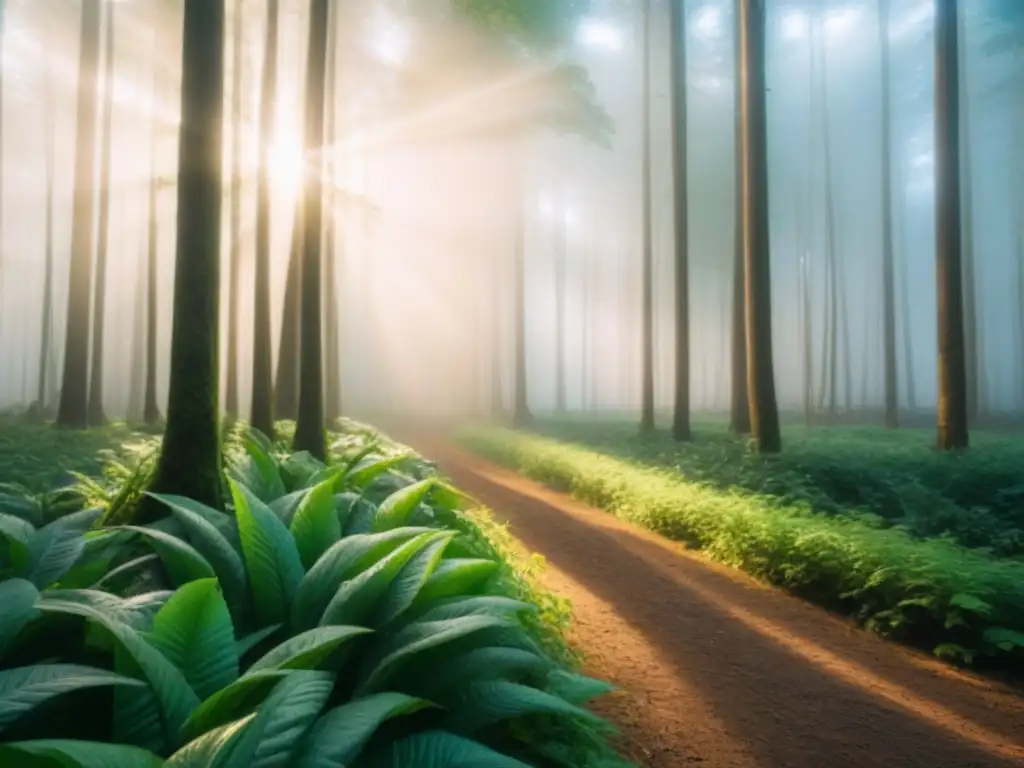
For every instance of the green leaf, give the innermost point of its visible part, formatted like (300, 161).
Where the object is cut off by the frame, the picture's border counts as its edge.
(15, 528)
(275, 570)
(182, 561)
(440, 749)
(286, 506)
(308, 649)
(364, 472)
(970, 603)
(136, 612)
(1003, 638)
(81, 754)
(299, 468)
(484, 605)
(488, 663)
(487, 702)
(222, 522)
(457, 576)
(194, 631)
(342, 561)
(231, 702)
(250, 641)
(212, 748)
(356, 598)
(270, 476)
(22, 689)
(315, 526)
(52, 552)
(17, 608)
(396, 509)
(340, 735)
(125, 569)
(282, 720)
(575, 688)
(406, 586)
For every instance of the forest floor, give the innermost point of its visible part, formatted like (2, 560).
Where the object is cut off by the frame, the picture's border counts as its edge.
(718, 670)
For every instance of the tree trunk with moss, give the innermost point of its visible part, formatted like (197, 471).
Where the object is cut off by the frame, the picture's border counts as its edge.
(74, 398)
(190, 462)
(309, 427)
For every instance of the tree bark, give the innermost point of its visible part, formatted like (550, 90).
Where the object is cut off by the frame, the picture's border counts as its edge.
(96, 415)
(309, 427)
(888, 269)
(286, 382)
(74, 406)
(262, 408)
(332, 333)
(680, 176)
(190, 462)
(521, 416)
(647, 422)
(764, 414)
(952, 411)
(46, 335)
(561, 245)
(739, 421)
(151, 410)
(231, 377)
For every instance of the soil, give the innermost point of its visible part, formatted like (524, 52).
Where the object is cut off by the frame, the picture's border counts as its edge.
(720, 671)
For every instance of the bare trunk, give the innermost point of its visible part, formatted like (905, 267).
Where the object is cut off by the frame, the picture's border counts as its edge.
(972, 334)
(286, 382)
(231, 378)
(888, 271)
(332, 332)
(561, 244)
(521, 416)
(647, 293)
(46, 335)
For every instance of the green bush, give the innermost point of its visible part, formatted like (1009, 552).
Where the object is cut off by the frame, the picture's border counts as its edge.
(346, 614)
(962, 604)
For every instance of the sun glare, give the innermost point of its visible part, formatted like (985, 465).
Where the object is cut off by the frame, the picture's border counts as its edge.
(285, 162)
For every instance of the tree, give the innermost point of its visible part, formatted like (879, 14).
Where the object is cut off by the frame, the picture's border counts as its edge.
(96, 415)
(561, 257)
(286, 380)
(332, 315)
(521, 416)
(262, 414)
(677, 94)
(764, 413)
(647, 290)
(888, 268)
(151, 409)
(46, 332)
(231, 382)
(309, 426)
(739, 418)
(190, 462)
(73, 410)
(952, 412)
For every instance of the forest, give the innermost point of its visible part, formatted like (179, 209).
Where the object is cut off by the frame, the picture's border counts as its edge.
(502, 383)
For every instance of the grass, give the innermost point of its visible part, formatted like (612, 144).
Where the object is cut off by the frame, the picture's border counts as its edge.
(784, 520)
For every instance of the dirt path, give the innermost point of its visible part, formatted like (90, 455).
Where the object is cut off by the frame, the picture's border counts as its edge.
(720, 671)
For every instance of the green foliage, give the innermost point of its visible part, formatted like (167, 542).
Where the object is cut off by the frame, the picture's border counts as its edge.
(540, 25)
(315, 632)
(961, 603)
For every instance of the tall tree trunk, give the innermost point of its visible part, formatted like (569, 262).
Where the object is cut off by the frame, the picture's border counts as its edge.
(764, 412)
(888, 269)
(905, 326)
(830, 221)
(521, 416)
(46, 335)
(138, 354)
(190, 462)
(96, 415)
(262, 413)
(309, 427)
(231, 377)
(332, 315)
(74, 405)
(952, 416)
(286, 382)
(739, 418)
(680, 175)
(807, 338)
(151, 410)
(972, 335)
(497, 342)
(647, 292)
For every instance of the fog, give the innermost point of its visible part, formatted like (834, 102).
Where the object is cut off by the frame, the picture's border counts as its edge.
(442, 155)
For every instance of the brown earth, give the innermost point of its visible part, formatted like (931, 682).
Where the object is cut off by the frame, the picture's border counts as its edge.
(720, 671)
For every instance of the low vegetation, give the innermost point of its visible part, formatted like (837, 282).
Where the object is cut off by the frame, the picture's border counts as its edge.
(347, 613)
(788, 520)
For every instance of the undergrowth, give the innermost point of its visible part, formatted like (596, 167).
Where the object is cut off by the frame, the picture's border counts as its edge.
(964, 605)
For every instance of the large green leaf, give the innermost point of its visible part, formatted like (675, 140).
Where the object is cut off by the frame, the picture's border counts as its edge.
(194, 631)
(182, 561)
(270, 476)
(250, 641)
(22, 689)
(406, 586)
(307, 649)
(361, 474)
(290, 710)
(315, 526)
(488, 663)
(275, 570)
(52, 551)
(487, 702)
(286, 506)
(224, 523)
(77, 754)
(17, 608)
(231, 702)
(357, 598)
(483, 605)
(342, 561)
(396, 510)
(575, 688)
(212, 749)
(440, 749)
(340, 735)
(15, 528)
(457, 576)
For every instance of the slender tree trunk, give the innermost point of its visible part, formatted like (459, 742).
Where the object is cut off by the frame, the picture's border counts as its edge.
(74, 405)
(151, 410)
(286, 382)
(96, 415)
(739, 421)
(138, 375)
(46, 336)
(190, 462)
(680, 176)
(807, 339)
(830, 223)
(952, 417)
(521, 416)
(497, 342)
(262, 414)
(888, 270)
(309, 427)
(332, 333)
(561, 245)
(906, 329)
(972, 335)
(647, 294)
(764, 413)
(231, 378)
